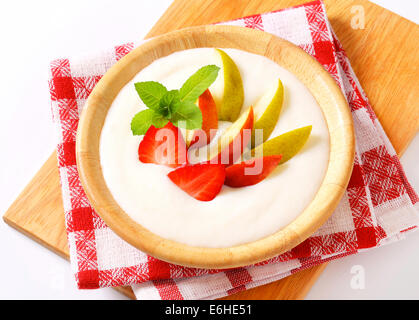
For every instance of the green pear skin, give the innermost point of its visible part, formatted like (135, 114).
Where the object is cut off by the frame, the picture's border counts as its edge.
(267, 121)
(287, 144)
(233, 95)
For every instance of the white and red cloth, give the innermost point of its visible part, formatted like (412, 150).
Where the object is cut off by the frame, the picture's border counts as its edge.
(379, 205)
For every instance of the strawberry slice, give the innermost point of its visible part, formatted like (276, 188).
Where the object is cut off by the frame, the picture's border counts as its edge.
(163, 146)
(251, 172)
(201, 137)
(203, 181)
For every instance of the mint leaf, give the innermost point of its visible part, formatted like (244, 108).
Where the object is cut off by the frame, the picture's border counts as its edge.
(198, 83)
(167, 103)
(141, 122)
(150, 92)
(187, 115)
(158, 120)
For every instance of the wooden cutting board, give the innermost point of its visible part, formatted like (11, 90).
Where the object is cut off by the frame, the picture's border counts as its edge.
(383, 55)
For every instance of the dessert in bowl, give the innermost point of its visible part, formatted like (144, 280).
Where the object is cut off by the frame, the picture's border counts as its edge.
(198, 210)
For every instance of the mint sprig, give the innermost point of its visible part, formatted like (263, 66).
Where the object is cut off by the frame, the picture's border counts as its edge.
(176, 106)
(198, 83)
(150, 92)
(187, 116)
(141, 122)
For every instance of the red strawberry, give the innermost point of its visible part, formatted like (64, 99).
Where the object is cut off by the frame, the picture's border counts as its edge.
(163, 146)
(240, 174)
(209, 120)
(203, 181)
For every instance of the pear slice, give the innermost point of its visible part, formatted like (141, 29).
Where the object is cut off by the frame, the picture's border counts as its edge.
(267, 110)
(228, 93)
(287, 144)
(233, 141)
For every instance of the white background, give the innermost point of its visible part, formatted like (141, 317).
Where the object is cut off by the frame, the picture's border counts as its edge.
(32, 33)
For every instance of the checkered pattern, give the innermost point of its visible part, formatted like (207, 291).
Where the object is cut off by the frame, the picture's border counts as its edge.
(378, 207)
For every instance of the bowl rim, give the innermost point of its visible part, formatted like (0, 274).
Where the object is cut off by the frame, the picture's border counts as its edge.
(322, 86)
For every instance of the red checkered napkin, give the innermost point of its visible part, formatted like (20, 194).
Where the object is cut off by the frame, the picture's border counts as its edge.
(379, 205)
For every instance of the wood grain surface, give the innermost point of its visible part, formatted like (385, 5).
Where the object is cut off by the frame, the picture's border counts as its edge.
(383, 55)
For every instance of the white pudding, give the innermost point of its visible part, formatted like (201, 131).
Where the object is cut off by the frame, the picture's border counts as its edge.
(237, 215)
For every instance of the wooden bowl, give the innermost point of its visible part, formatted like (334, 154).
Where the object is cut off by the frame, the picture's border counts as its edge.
(307, 69)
